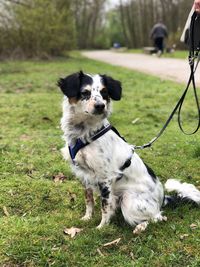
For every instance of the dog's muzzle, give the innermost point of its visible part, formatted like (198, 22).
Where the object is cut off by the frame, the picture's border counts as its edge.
(99, 107)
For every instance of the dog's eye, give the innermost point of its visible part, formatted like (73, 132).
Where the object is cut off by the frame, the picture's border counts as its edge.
(86, 94)
(104, 93)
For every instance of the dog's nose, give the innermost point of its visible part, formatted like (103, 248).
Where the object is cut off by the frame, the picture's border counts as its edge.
(99, 106)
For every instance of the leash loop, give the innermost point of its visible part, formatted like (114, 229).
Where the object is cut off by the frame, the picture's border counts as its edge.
(194, 56)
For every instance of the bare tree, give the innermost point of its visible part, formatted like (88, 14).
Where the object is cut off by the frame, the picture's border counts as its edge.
(138, 16)
(88, 21)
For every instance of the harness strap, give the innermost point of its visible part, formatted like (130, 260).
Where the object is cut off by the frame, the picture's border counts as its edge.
(73, 149)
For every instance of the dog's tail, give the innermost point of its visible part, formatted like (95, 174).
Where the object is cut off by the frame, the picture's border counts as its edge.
(185, 192)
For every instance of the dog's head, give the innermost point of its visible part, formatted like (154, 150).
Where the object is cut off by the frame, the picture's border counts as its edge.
(92, 93)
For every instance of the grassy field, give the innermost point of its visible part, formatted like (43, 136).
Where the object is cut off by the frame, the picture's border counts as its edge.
(181, 54)
(34, 209)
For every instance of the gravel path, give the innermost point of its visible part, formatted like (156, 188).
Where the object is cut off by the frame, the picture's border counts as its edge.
(167, 68)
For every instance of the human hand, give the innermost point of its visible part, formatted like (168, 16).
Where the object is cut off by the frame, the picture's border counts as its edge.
(197, 5)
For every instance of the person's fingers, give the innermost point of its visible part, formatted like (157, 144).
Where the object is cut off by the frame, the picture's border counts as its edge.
(197, 6)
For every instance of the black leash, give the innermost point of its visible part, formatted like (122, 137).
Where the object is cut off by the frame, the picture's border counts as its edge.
(194, 56)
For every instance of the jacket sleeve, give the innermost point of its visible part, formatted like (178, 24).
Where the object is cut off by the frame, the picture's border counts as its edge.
(187, 25)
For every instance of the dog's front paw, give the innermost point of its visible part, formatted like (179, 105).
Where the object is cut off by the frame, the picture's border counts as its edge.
(140, 228)
(86, 217)
(160, 218)
(100, 226)
(164, 218)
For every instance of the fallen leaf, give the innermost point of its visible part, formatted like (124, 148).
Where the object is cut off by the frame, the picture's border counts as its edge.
(114, 242)
(30, 169)
(72, 231)
(54, 149)
(72, 197)
(59, 178)
(183, 236)
(193, 226)
(24, 137)
(132, 256)
(6, 211)
(100, 253)
(11, 192)
(136, 120)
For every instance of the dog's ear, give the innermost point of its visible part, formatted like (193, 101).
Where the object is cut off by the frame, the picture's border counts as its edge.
(70, 85)
(113, 86)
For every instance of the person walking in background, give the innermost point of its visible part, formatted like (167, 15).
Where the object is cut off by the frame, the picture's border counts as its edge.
(158, 34)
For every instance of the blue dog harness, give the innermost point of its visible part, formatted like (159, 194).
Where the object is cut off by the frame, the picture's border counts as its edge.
(73, 149)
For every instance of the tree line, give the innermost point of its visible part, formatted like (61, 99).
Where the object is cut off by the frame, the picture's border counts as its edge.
(138, 17)
(43, 28)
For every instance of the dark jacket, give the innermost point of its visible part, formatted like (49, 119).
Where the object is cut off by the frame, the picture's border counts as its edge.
(195, 43)
(159, 30)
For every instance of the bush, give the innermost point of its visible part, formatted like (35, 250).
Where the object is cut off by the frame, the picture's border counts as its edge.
(37, 28)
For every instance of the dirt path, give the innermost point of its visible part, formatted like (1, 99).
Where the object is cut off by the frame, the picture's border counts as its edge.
(167, 68)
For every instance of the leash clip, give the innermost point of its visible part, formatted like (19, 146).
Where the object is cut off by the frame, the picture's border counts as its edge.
(192, 59)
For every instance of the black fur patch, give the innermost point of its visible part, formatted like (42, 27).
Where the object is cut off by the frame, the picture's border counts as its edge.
(72, 84)
(126, 165)
(104, 204)
(151, 173)
(86, 80)
(85, 94)
(104, 94)
(113, 86)
(104, 191)
(175, 201)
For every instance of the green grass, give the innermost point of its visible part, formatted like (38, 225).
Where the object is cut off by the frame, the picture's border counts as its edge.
(39, 209)
(180, 54)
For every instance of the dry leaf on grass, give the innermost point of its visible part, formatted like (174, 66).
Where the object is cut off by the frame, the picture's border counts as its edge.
(136, 120)
(132, 256)
(193, 226)
(72, 197)
(5, 211)
(24, 137)
(59, 178)
(72, 231)
(11, 192)
(183, 236)
(54, 149)
(114, 242)
(100, 253)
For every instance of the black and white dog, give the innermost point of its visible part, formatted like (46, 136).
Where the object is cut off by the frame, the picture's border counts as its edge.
(104, 161)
